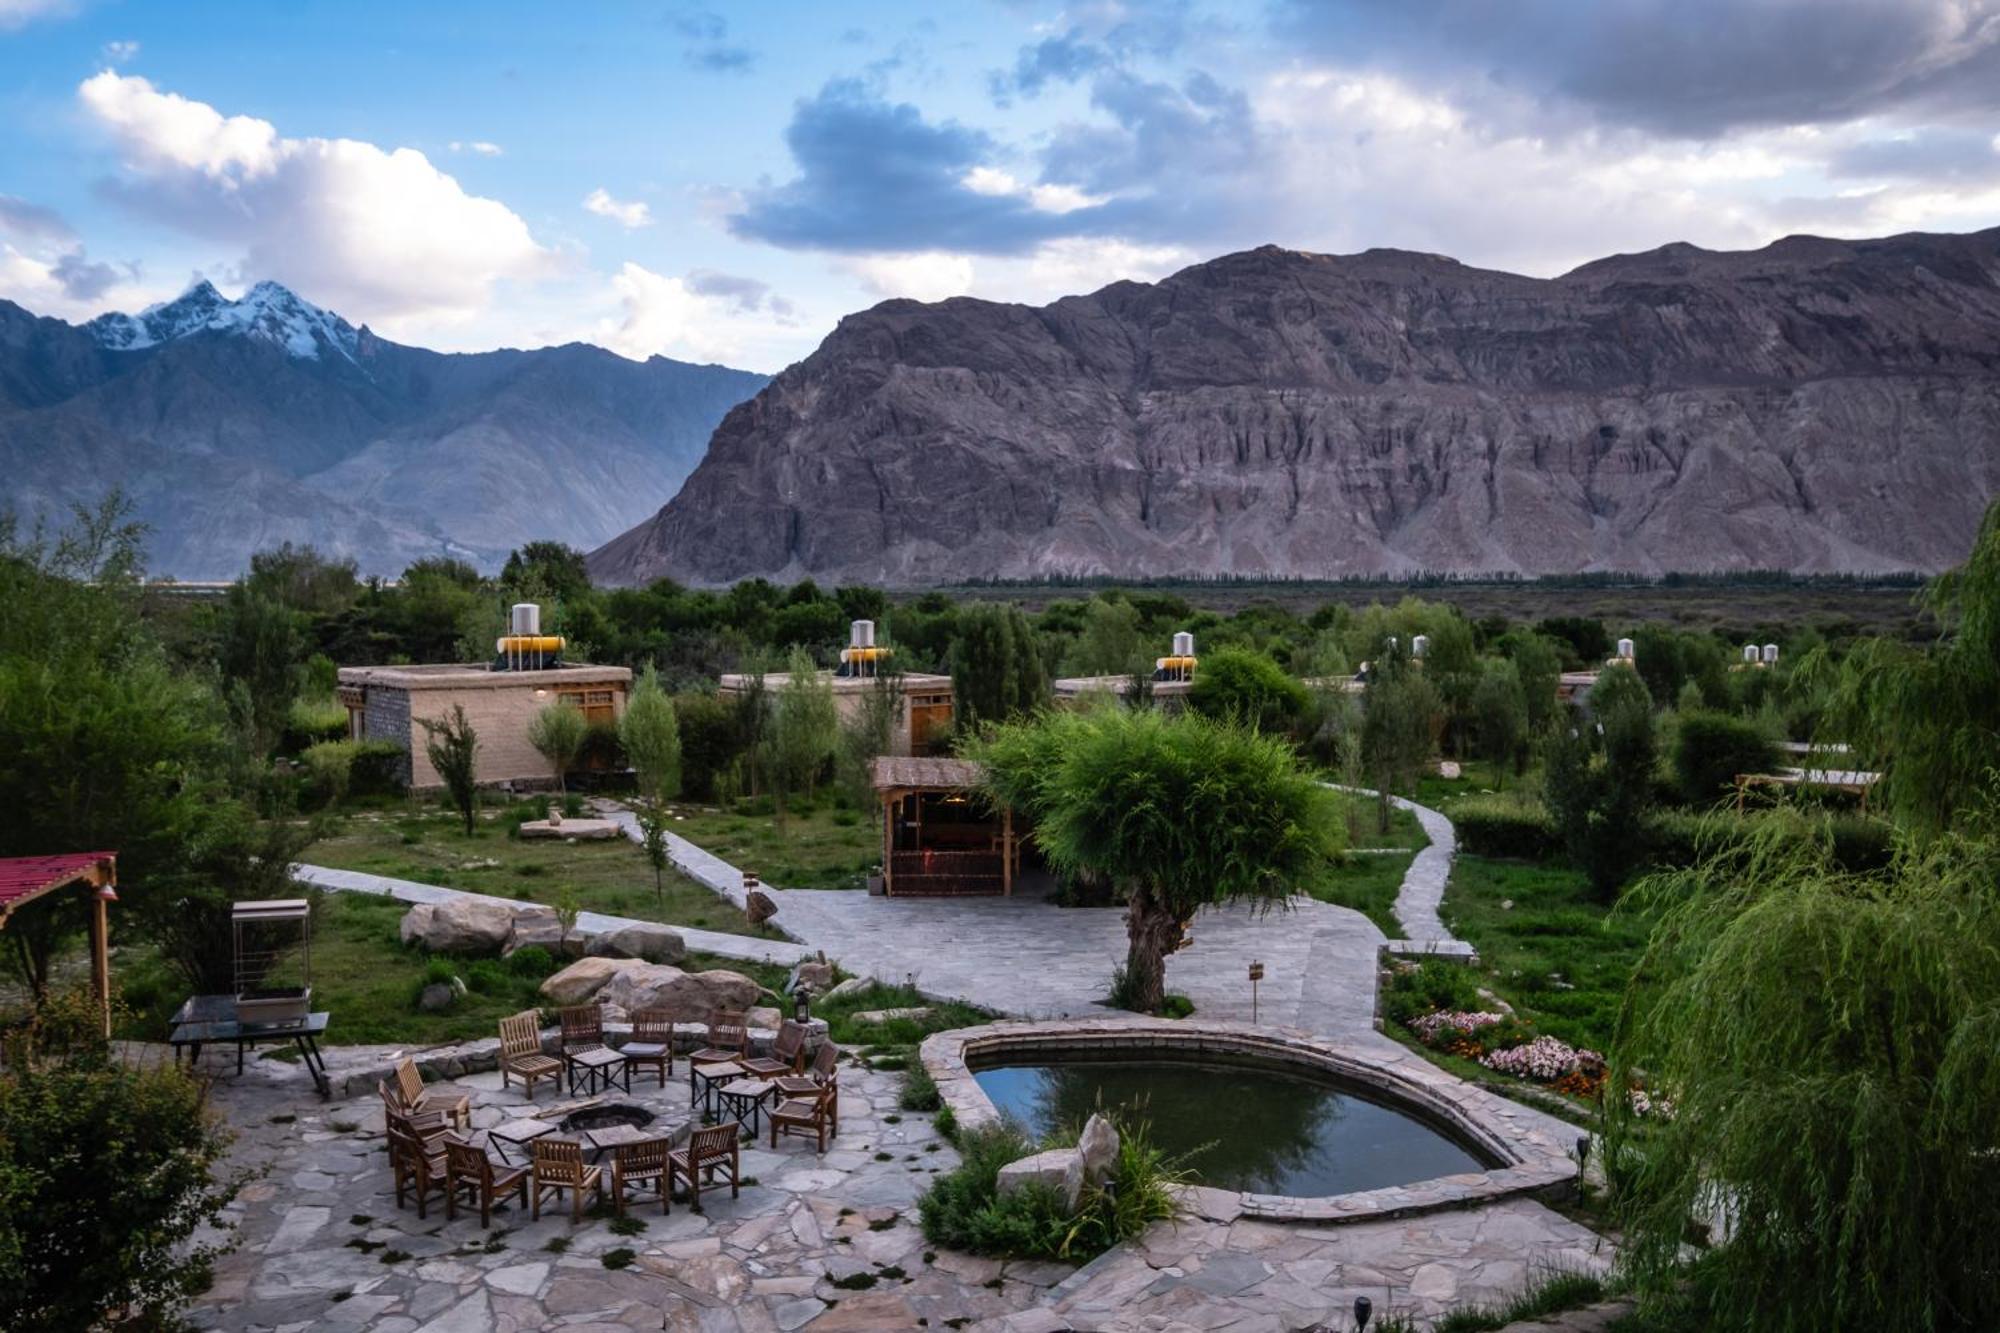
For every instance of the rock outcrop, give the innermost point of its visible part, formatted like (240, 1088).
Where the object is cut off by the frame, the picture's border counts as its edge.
(1816, 405)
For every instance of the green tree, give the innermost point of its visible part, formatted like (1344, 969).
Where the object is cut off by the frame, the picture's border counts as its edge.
(1245, 684)
(1451, 664)
(996, 666)
(1599, 801)
(1109, 641)
(1500, 718)
(805, 728)
(1177, 812)
(452, 746)
(557, 731)
(261, 648)
(1711, 749)
(868, 733)
(1828, 1049)
(652, 737)
(1538, 662)
(1401, 713)
(232, 856)
(546, 569)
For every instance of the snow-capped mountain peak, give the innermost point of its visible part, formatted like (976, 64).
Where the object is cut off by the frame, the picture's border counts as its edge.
(268, 312)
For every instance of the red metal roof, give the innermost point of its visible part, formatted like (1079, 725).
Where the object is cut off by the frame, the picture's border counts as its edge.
(25, 877)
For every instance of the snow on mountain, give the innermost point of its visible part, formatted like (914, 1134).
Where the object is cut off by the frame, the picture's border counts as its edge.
(267, 311)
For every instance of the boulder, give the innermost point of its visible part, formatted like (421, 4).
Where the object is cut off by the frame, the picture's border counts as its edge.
(688, 997)
(537, 926)
(851, 986)
(461, 925)
(759, 907)
(655, 944)
(816, 977)
(1097, 1146)
(583, 979)
(1058, 1168)
(573, 830)
(765, 1019)
(437, 997)
(872, 1016)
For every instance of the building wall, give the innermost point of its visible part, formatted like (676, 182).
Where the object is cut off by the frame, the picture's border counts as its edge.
(500, 717)
(386, 717)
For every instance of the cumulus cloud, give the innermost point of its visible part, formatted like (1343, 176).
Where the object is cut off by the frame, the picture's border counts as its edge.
(704, 316)
(931, 275)
(478, 147)
(744, 295)
(378, 234)
(1681, 67)
(627, 215)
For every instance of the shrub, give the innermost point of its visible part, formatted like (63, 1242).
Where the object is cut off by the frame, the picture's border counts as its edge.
(488, 977)
(380, 768)
(1679, 838)
(331, 764)
(920, 1090)
(532, 961)
(1245, 684)
(1711, 748)
(308, 722)
(1429, 986)
(1501, 826)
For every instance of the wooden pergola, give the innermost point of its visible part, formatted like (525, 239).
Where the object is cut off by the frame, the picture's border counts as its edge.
(937, 840)
(27, 879)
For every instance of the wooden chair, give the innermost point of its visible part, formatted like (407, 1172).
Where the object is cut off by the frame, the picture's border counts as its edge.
(582, 1030)
(521, 1052)
(558, 1166)
(811, 1114)
(429, 1126)
(728, 1042)
(641, 1163)
(455, 1106)
(710, 1149)
(652, 1042)
(788, 1052)
(418, 1165)
(469, 1171)
(823, 1077)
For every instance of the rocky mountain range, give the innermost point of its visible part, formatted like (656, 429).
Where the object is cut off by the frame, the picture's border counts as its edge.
(237, 425)
(1816, 405)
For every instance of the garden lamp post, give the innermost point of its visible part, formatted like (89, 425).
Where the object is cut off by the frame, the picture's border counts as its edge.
(1256, 975)
(1363, 1308)
(801, 1002)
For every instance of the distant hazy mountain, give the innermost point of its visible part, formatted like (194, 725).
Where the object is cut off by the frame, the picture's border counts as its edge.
(236, 425)
(1816, 405)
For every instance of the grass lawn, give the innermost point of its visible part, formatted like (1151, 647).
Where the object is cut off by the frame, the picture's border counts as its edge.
(368, 981)
(821, 846)
(425, 843)
(1561, 958)
(1368, 881)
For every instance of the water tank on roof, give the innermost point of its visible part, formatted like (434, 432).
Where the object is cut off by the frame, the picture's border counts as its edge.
(1749, 652)
(526, 619)
(1183, 644)
(1770, 654)
(1419, 646)
(1625, 652)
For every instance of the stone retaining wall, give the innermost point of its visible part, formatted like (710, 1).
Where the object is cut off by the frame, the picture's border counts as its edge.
(1529, 1160)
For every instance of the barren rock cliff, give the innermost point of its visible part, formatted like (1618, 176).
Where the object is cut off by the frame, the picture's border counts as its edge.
(1816, 405)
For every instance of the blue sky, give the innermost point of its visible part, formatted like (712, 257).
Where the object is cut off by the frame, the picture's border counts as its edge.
(723, 183)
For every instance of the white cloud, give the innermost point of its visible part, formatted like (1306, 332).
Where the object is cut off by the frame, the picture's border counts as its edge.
(627, 215)
(480, 147)
(379, 235)
(929, 275)
(993, 182)
(46, 284)
(19, 13)
(119, 53)
(694, 319)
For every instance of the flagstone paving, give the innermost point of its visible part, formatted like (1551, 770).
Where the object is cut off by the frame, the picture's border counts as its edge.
(325, 1247)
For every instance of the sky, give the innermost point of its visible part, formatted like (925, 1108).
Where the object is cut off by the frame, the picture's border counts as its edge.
(724, 182)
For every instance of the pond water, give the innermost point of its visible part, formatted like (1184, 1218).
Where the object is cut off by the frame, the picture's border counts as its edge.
(1243, 1127)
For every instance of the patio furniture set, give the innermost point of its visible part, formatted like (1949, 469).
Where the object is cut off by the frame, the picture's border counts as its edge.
(432, 1152)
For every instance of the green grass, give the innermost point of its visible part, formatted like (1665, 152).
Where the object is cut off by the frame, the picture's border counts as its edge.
(821, 846)
(368, 981)
(1553, 1292)
(1558, 956)
(425, 843)
(1368, 883)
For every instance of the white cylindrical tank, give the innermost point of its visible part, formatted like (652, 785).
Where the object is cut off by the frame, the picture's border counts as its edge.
(1420, 645)
(1625, 649)
(861, 634)
(1749, 652)
(1770, 654)
(526, 618)
(1183, 644)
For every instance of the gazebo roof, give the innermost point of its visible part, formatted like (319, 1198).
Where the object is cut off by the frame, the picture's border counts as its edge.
(26, 878)
(921, 773)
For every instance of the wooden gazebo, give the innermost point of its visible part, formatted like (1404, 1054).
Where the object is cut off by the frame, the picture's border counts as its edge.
(26, 879)
(939, 838)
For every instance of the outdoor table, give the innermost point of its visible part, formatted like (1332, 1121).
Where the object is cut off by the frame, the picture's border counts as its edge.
(601, 1141)
(519, 1133)
(742, 1099)
(600, 1067)
(704, 1078)
(206, 1019)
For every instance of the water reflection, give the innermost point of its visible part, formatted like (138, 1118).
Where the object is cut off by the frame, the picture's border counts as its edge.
(1257, 1129)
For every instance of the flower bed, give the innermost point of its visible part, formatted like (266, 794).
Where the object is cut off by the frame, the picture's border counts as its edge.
(1430, 1001)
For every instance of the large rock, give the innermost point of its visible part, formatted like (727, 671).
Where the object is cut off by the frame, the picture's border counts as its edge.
(1304, 415)
(461, 925)
(688, 997)
(1058, 1168)
(585, 978)
(816, 977)
(851, 986)
(572, 830)
(539, 926)
(1097, 1150)
(655, 944)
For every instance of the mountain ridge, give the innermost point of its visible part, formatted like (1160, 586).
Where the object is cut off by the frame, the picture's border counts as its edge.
(1816, 405)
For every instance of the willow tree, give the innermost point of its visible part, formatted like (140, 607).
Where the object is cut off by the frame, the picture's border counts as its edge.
(1827, 1047)
(1176, 812)
(557, 732)
(651, 735)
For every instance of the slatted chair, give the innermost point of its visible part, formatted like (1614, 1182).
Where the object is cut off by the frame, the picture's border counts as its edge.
(429, 1126)
(728, 1042)
(811, 1114)
(582, 1030)
(824, 1076)
(418, 1165)
(652, 1042)
(453, 1105)
(521, 1053)
(643, 1163)
(788, 1052)
(558, 1167)
(470, 1172)
(710, 1149)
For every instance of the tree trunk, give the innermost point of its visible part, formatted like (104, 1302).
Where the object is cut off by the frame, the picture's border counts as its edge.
(1382, 805)
(1152, 932)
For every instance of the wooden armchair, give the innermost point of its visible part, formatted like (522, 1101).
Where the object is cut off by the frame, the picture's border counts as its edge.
(788, 1052)
(710, 1149)
(652, 1042)
(822, 1079)
(728, 1042)
(643, 1163)
(418, 1166)
(558, 1167)
(429, 1126)
(521, 1052)
(469, 1171)
(811, 1114)
(455, 1106)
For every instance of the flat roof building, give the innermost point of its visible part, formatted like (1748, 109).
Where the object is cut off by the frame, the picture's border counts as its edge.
(923, 715)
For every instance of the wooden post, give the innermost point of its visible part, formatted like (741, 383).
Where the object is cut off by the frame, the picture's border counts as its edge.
(888, 844)
(1007, 851)
(100, 952)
